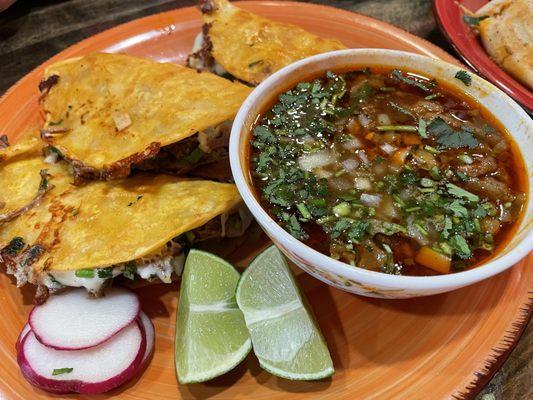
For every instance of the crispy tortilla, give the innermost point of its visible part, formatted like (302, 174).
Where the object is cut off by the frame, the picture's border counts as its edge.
(107, 112)
(250, 47)
(507, 35)
(108, 223)
(23, 178)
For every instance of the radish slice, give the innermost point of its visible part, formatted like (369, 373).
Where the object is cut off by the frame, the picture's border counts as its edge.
(95, 370)
(149, 332)
(73, 320)
(22, 335)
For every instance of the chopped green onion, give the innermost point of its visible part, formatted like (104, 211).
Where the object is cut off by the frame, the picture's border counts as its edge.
(507, 205)
(422, 125)
(342, 209)
(340, 172)
(446, 248)
(466, 158)
(435, 173)
(325, 220)
(426, 182)
(84, 273)
(398, 200)
(60, 371)
(401, 128)
(431, 149)
(304, 211)
(411, 209)
(426, 190)
(432, 96)
(421, 229)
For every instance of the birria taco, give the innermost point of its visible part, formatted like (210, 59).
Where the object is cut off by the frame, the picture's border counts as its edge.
(109, 113)
(238, 43)
(137, 227)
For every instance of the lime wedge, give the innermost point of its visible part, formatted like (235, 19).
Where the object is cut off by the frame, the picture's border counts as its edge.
(285, 337)
(211, 336)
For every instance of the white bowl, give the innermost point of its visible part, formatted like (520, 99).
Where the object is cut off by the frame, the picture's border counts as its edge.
(354, 279)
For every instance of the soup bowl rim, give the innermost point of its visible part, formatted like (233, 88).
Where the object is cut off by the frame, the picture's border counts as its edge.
(434, 283)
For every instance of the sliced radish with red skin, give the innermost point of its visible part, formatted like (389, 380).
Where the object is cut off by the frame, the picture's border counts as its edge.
(149, 332)
(22, 335)
(95, 370)
(74, 321)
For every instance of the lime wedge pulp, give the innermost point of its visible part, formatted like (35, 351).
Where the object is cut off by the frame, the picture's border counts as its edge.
(285, 337)
(211, 336)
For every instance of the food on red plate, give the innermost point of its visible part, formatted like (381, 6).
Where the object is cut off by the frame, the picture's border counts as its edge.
(239, 44)
(505, 28)
(78, 352)
(388, 170)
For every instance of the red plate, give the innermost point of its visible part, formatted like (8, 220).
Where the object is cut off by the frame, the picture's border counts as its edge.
(449, 16)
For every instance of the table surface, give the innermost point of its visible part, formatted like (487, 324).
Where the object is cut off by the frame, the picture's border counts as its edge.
(31, 31)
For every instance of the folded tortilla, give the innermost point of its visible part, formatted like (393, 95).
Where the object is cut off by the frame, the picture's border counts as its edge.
(108, 112)
(25, 178)
(108, 225)
(507, 35)
(250, 47)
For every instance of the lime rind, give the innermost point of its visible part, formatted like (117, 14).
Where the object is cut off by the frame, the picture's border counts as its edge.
(285, 336)
(211, 335)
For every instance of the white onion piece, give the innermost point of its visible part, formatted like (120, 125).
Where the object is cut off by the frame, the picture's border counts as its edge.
(350, 164)
(364, 120)
(388, 148)
(384, 119)
(363, 184)
(363, 157)
(414, 232)
(371, 200)
(321, 158)
(352, 144)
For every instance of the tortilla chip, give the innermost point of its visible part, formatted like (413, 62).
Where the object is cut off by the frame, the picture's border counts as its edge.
(107, 223)
(22, 185)
(107, 112)
(250, 47)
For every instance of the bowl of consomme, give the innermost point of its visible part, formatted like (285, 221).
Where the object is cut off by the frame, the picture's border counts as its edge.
(385, 173)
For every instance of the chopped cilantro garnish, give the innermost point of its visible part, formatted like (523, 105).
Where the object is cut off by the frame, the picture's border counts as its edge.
(448, 137)
(397, 74)
(464, 77)
(459, 192)
(129, 270)
(61, 371)
(14, 247)
(461, 247)
(105, 273)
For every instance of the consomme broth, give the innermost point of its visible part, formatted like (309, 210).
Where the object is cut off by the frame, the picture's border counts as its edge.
(389, 171)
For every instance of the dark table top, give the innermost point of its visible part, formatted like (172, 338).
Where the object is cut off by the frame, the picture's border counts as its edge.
(31, 31)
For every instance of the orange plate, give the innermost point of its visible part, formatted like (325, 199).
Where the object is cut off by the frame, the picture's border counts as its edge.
(430, 348)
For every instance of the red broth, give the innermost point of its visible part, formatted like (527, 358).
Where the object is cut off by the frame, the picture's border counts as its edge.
(388, 171)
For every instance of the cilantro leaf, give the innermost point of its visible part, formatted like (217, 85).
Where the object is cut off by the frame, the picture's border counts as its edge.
(459, 192)
(397, 74)
(464, 77)
(461, 247)
(458, 209)
(448, 137)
